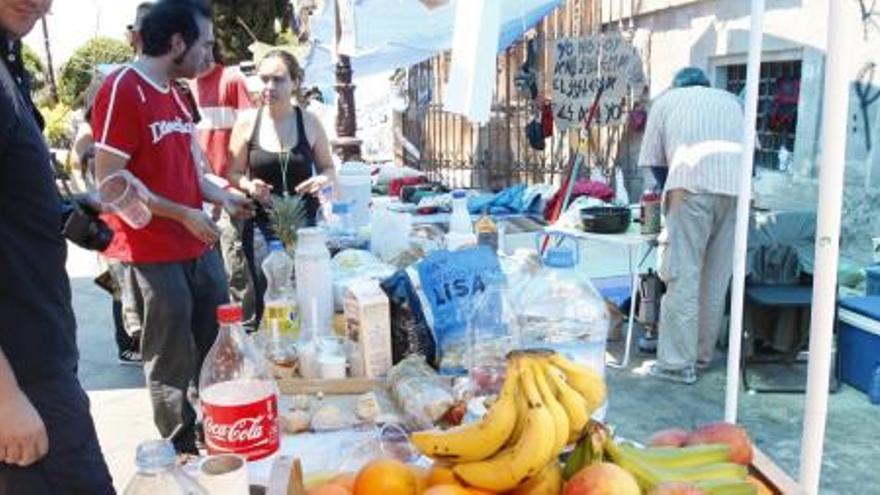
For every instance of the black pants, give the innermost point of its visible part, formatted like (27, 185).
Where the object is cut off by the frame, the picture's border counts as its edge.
(177, 304)
(259, 221)
(74, 464)
(124, 341)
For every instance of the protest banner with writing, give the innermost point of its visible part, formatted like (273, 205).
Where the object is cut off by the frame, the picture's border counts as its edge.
(582, 66)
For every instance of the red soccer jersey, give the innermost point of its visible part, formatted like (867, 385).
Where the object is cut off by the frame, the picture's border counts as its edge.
(149, 126)
(220, 94)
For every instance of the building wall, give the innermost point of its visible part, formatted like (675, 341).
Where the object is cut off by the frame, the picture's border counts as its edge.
(713, 33)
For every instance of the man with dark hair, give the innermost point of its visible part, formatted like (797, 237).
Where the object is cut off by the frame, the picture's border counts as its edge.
(48, 443)
(694, 135)
(133, 30)
(144, 130)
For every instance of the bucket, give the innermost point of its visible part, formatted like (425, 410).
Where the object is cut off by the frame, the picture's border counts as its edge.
(355, 186)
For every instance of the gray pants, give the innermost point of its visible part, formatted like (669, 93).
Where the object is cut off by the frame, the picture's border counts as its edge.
(696, 261)
(177, 305)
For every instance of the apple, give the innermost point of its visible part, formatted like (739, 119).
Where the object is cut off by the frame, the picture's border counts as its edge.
(720, 432)
(670, 437)
(603, 478)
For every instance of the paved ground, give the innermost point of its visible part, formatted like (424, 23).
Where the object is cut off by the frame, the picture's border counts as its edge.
(639, 405)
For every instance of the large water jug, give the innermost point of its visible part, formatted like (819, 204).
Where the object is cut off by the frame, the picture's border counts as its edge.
(560, 309)
(280, 325)
(314, 284)
(354, 188)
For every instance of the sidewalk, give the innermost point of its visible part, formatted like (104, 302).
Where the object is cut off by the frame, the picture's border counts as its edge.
(120, 404)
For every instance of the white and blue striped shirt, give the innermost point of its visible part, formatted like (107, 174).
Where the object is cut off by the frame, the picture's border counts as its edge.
(697, 133)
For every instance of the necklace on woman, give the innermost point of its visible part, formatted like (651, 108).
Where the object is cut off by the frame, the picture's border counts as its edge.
(284, 162)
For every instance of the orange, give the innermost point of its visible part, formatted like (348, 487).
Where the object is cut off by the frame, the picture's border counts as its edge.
(386, 477)
(447, 490)
(329, 489)
(442, 475)
(479, 491)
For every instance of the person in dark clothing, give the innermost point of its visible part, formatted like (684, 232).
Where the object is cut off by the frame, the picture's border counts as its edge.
(48, 443)
(278, 150)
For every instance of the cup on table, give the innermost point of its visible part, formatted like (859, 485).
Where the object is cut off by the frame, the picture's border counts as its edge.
(224, 474)
(118, 192)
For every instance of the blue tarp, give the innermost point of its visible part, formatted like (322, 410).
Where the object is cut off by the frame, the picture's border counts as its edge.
(392, 34)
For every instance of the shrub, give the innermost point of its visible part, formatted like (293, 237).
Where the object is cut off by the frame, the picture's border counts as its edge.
(78, 71)
(57, 131)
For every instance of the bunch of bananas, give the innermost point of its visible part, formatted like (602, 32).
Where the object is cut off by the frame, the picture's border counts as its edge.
(707, 467)
(544, 404)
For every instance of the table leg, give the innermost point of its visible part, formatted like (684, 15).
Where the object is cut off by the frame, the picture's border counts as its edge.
(634, 284)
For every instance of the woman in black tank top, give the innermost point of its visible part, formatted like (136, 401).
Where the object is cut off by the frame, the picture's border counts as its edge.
(279, 150)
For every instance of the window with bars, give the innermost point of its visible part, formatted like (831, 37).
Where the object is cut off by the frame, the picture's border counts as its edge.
(778, 94)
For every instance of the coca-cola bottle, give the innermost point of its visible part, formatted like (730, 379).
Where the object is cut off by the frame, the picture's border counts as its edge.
(238, 397)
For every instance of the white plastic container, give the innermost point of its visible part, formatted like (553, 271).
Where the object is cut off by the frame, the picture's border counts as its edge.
(460, 222)
(354, 188)
(314, 285)
(461, 227)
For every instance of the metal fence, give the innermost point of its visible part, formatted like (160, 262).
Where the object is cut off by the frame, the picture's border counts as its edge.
(497, 154)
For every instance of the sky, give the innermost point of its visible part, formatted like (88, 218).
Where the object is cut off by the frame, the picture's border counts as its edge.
(73, 22)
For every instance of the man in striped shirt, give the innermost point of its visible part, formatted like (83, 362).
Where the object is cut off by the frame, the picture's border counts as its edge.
(693, 141)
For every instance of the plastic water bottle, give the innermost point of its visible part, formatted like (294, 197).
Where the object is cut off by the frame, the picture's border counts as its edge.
(461, 228)
(280, 326)
(158, 473)
(313, 278)
(874, 389)
(548, 317)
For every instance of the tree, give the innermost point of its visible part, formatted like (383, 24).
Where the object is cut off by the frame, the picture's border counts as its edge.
(258, 15)
(77, 73)
(35, 68)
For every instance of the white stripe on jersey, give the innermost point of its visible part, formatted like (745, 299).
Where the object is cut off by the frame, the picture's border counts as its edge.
(216, 118)
(112, 103)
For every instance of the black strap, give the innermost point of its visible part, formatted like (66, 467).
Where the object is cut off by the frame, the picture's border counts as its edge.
(252, 140)
(301, 129)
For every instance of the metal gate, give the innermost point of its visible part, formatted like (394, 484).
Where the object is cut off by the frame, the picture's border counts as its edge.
(461, 154)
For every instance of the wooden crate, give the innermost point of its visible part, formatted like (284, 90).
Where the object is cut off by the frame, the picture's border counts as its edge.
(772, 475)
(345, 386)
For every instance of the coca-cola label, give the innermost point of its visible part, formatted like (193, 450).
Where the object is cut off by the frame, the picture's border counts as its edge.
(250, 430)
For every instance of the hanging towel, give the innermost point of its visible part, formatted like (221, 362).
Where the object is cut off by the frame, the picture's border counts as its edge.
(474, 48)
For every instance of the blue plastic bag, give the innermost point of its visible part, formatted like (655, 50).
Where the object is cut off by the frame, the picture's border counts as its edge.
(450, 281)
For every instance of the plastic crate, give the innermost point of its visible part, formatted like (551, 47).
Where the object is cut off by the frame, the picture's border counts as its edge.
(859, 340)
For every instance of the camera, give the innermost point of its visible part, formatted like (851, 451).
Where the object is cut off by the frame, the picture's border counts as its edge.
(83, 226)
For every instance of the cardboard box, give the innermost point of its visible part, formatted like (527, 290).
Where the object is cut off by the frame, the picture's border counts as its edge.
(368, 325)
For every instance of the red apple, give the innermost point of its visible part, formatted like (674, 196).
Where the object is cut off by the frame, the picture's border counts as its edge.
(670, 437)
(720, 432)
(676, 488)
(603, 478)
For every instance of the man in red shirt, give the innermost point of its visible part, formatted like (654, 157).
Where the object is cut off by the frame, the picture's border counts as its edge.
(142, 126)
(221, 93)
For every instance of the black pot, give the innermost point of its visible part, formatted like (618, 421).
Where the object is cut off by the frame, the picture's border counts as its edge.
(606, 219)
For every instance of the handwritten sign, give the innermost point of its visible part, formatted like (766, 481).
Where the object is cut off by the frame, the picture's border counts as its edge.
(583, 66)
